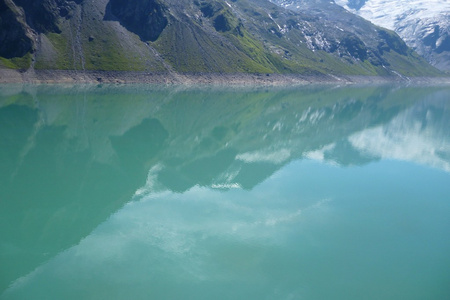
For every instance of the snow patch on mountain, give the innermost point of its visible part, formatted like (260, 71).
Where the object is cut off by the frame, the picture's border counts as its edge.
(424, 25)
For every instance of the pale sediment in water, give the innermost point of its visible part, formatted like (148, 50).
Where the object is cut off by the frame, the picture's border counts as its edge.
(235, 79)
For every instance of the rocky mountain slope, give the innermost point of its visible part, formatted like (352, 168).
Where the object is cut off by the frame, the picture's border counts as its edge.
(424, 25)
(193, 36)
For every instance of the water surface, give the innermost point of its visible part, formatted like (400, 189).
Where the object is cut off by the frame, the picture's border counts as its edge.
(138, 192)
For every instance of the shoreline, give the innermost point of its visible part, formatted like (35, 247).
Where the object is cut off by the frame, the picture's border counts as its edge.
(235, 79)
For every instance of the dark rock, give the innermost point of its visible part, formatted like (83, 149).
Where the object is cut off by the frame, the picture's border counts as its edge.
(443, 45)
(14, 41)
(393, 41)
(221, 23)
(41, 15)
(355, 47)
(209, 9)
(146, 18)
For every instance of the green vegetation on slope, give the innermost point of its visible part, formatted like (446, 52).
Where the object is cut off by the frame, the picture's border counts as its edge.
(19, 63)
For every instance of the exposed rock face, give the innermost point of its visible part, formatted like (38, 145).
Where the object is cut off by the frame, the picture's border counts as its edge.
(430, 38)
(41, 15)
(20, 20)
(146, 18)
(354, 46)
(14, 39)
(210, 8)
(332, 29)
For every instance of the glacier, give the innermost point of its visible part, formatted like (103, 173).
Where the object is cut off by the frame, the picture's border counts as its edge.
(423, 25)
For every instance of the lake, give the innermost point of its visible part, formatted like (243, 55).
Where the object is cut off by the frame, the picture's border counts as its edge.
(169, 192)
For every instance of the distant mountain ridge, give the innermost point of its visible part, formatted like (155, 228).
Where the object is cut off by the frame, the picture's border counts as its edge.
(424, 25)
(196, 36)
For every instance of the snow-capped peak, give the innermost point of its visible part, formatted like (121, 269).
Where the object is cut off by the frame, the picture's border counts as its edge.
(424, 25)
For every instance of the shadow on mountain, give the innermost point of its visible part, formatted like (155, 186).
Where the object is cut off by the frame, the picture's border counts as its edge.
(146, 18)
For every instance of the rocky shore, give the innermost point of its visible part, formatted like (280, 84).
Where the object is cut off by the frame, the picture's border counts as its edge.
(238, 79)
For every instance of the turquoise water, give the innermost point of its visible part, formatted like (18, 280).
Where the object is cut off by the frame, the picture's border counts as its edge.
(137, 192)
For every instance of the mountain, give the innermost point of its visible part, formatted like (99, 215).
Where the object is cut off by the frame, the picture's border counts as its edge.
(194, 36)
(423, 25)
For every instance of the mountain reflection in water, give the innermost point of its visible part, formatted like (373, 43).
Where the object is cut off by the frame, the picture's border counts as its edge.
(79, 164)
